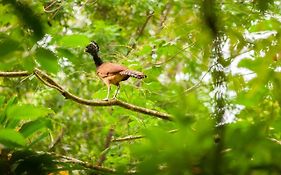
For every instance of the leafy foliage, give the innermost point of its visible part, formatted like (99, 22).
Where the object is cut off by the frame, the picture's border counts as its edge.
(213, 65)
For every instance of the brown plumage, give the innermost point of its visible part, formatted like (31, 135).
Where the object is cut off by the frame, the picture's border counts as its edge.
(111, 73)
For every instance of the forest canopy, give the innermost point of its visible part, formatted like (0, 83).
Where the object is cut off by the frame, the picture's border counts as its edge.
(210, 103)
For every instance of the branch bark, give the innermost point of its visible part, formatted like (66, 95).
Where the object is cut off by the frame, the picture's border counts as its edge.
(132, 137)
(127, 138)
(48, 81)
(14, 74)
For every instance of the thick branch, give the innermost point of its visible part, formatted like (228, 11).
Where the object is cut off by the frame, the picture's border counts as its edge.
(114, 102)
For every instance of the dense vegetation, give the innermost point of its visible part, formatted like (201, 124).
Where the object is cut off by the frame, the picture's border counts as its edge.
(213, 69)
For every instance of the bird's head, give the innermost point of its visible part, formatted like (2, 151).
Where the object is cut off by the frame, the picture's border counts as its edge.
(92, 48)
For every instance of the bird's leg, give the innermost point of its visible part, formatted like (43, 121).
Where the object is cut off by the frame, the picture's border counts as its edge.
(108, 92)
(117, 91)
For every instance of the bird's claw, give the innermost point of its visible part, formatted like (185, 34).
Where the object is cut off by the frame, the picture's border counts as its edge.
(105, 99)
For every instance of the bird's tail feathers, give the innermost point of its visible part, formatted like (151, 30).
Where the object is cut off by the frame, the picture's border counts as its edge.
(133, 73)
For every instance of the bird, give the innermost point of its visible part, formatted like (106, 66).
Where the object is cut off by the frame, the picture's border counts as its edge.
(111, 73)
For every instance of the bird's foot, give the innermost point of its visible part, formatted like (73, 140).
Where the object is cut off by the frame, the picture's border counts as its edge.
(105, 99)
(114, 98)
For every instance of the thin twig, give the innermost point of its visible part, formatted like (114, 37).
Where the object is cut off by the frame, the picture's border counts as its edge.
(140, 32)
(164, 16)
(174, 56)
(128, 138)
(14, 74)
(131, 137)
(57, 140)
(275, 141)
(53, 10)
(200, 81)
(50, 5)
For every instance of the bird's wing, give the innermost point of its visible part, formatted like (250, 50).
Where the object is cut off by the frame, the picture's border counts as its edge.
(108, 69)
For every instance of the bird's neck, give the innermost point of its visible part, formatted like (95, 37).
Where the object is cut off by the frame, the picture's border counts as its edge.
(97, 59)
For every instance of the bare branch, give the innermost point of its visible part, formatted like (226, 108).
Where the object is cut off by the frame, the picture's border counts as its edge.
(174, 56)
(14, 74)
(140, 32)
(127, 138)
(114, 102)
(57, 140)
(164, 15)
(130, 138)
(200, 81)
(275, 141)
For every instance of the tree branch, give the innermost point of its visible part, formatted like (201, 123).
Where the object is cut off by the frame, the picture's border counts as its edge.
(114, 102)
(200, 81)
(131, 137)
(14, 74)
(128, 138)
(140, 32)
(174, 56)
(164, 15)
(57, 140)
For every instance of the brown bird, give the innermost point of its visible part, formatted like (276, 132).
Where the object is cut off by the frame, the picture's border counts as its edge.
(111, 73)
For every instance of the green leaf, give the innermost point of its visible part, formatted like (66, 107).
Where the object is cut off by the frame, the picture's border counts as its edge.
(28, 17)
(28, 63)
(74, 40)
(62, 52)
(11, 138)
(47, 59)
(27, 112)
(12, 101)
(253, 65)
(252, 97)
(7, 46)
(39, 138)
(33, 126)
(2, 99)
